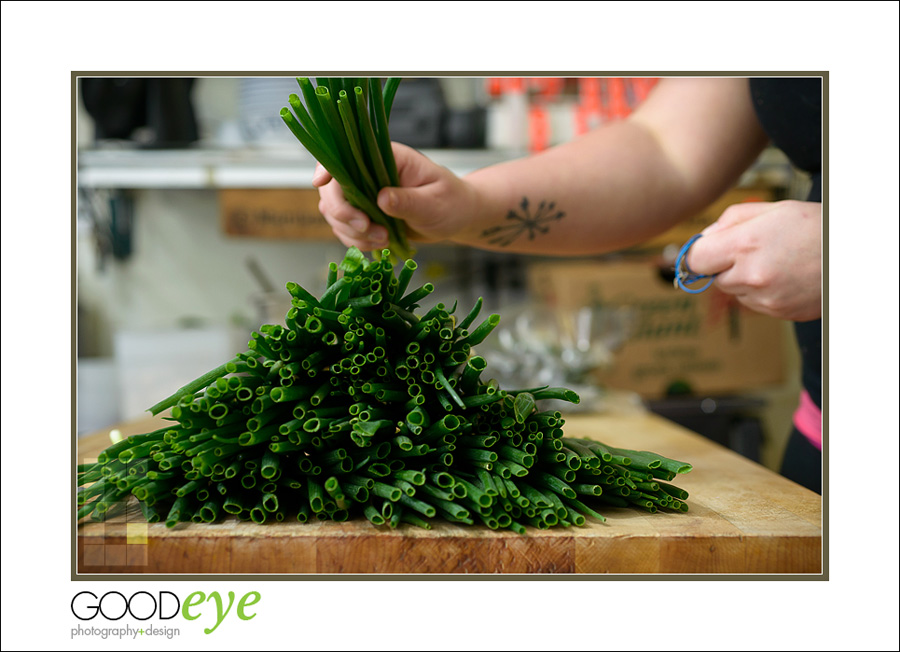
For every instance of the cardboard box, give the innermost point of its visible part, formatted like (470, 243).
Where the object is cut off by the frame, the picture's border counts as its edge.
(707, 341)
(279, 213)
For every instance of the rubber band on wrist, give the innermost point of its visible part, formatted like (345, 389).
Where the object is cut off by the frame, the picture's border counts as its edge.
(683, 273)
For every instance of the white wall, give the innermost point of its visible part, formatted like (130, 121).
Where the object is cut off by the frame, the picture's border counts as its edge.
(184, 272)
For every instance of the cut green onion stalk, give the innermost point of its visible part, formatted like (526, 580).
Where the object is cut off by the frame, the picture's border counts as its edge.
(369, 410)
(343, 123)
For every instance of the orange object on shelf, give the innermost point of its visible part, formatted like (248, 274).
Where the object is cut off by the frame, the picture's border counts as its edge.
(589, 94)
(538, 128)
(512, 85)
(494, 86)
(546, 88)
(618, 100)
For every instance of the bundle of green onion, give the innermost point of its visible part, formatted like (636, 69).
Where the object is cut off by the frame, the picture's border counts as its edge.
(359, 406)
(344, 125)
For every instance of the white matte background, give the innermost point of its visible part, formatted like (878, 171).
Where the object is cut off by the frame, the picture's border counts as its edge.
(857, 43)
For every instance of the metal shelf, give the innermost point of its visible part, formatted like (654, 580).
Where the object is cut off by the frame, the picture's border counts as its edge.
(227, 168)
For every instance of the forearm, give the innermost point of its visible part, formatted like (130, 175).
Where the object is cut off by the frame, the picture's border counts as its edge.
(621, 184)
(606, 191)
(612, 188)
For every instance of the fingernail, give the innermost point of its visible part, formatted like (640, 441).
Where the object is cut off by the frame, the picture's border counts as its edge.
(359, 224)
(386, 200)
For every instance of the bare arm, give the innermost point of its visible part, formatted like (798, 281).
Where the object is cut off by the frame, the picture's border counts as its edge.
(614, 187)
(625, 183)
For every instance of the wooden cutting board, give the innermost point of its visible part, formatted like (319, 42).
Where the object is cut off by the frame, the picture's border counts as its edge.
(743, 519)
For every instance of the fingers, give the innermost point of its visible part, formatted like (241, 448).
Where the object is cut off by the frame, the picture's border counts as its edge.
(320, 177)
(714, 253)
(351, 226)
(413, 168)
(717, 250)
(736, 214)
(768, 256)
(720, 252)
(426, 194)
(396, 202)
(429, 199)
(421, 209)
(375, 237)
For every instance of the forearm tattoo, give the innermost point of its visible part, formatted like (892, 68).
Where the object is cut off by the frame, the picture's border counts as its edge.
(524, 223)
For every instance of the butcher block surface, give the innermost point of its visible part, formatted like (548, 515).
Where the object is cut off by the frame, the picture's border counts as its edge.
(743, 519)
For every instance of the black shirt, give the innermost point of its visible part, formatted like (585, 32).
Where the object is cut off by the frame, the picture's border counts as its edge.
(790, 111)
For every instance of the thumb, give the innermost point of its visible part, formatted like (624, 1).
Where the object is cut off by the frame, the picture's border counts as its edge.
(713, 253)
(426, 193)
(402, 203)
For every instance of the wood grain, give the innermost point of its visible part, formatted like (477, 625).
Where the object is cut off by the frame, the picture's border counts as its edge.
(743, 519)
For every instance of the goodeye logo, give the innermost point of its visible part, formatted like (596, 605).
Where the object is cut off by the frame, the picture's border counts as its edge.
(165, 606)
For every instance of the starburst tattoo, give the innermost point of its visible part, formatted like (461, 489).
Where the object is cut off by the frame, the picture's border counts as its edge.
(532, 224)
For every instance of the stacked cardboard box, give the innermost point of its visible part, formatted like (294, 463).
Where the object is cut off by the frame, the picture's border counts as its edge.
(705, 343)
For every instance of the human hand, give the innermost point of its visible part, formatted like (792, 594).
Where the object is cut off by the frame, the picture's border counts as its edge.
(430, 199)
(768, 255)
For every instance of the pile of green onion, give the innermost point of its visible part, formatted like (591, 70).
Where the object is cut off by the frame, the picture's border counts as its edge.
(363, 405)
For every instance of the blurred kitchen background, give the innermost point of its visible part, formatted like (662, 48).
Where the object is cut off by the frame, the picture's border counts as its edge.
(195, 209)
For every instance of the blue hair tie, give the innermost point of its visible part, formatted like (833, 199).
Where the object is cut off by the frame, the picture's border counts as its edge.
(683, 273)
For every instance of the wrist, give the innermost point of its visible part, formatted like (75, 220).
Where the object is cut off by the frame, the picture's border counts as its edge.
(483, 205)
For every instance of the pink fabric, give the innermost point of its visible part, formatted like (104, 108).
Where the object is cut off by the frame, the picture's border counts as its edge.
(808, 420)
